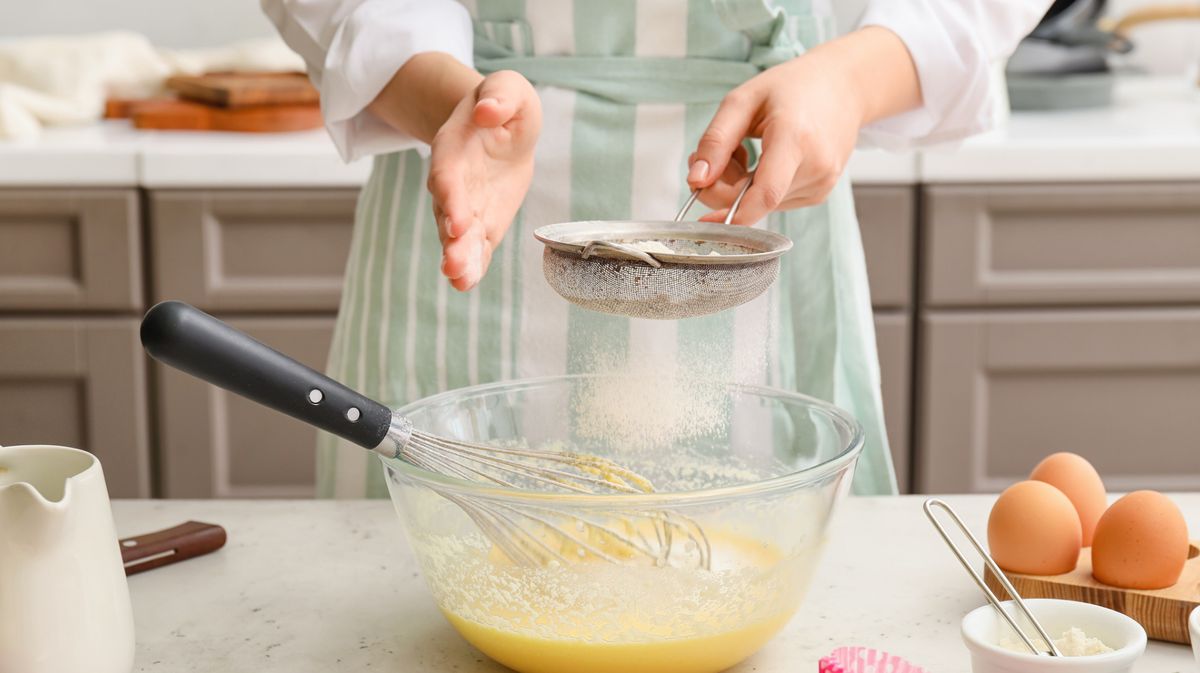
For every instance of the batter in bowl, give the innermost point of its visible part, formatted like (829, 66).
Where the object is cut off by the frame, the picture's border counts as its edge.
(647, 620)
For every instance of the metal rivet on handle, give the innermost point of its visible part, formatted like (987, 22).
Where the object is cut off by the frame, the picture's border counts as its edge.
(315, 396)
(353, 414)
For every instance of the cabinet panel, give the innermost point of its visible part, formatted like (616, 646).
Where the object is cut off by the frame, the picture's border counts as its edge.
(252, 250)
(1063, 244)
(216, 444)
(70, 250)
(1003, 390)
(892, 332)
(886, 218)
(78, 383)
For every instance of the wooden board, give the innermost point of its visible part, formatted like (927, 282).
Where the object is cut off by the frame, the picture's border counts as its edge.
(1163, 612)
(189, 116)
(235, 90)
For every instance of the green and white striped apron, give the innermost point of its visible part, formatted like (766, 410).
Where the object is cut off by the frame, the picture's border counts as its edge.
(627, 87)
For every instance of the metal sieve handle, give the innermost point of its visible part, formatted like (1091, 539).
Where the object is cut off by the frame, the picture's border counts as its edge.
(732, 209)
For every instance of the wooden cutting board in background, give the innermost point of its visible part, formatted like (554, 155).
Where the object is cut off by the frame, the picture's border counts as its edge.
(235, 90)
(1162, 612)
(180, 115)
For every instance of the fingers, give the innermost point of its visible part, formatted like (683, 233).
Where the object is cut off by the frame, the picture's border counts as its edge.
(502, 97)
(772, 178)
(448, 192)
(722, 137)
(722, 192)
(465, 260)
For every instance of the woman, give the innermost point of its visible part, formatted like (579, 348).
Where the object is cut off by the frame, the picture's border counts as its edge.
(627, 97)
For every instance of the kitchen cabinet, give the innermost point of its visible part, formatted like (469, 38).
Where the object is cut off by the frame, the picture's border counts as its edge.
(887, 221)
(1032, 245)
(213, 443)
(78, 382)
(1059, 317)
(68, 250)
(1001, 390)
(894, 341)
(242, 250)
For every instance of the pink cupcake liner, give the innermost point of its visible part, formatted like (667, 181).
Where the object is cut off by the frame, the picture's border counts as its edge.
(865, 660)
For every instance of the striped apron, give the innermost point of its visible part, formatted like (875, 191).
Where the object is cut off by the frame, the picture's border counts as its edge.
(627, 87)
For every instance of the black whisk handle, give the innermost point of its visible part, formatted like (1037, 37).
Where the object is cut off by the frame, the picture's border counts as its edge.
(194, 342)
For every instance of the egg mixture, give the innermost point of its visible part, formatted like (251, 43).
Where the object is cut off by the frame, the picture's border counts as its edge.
(600, 617)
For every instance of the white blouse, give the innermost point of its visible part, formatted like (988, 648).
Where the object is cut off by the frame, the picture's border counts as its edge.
(353, 47)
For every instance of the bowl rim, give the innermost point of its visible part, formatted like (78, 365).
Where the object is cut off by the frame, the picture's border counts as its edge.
(785, 482)
(1129, 651)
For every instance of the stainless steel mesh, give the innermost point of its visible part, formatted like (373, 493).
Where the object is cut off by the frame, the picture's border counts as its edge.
(670, 292)
(701, 267)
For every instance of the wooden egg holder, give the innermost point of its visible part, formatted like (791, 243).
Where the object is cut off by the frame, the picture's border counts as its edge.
(1162, 612)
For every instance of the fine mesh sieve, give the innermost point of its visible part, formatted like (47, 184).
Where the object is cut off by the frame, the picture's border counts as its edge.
(604, 265)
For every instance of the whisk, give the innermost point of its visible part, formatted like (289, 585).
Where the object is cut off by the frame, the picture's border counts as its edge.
(194, 342)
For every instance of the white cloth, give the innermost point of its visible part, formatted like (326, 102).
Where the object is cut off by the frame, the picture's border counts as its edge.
(58, 80)
(353, 47)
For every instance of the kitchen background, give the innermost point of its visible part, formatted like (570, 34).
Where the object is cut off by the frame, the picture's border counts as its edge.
(1037, 289)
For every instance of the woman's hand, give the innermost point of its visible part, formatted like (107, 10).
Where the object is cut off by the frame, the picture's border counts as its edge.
(479, 172)
(808, 112)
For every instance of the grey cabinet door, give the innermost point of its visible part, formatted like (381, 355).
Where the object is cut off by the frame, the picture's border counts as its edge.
(216, 444)
(1003, 390)
(886, 218)
(79, 383)
(892, 333)
(251, 250)
(1062, 244)
(66, 249)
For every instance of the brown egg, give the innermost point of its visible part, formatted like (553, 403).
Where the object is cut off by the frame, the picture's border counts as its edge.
(1078, 480)
(1141, 542)
(1034, 529)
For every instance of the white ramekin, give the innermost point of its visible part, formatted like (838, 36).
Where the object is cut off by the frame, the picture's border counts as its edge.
(983, 628)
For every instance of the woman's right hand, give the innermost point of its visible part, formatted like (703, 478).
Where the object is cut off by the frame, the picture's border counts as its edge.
(480, 170)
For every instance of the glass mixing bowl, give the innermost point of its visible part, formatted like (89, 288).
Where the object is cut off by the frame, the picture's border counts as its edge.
(759, 471)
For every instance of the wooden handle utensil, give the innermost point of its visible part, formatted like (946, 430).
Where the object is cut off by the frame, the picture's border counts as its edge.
(172, 545)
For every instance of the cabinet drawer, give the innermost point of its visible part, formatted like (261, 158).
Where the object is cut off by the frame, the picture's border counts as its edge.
(1063, 244)
(886, 220)
(1003, 390)
(892, 332)
(216, 444)
(78, 383)
(77, 250)
(252, 250)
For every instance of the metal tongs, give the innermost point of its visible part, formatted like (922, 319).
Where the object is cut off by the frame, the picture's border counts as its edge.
(1000, 576)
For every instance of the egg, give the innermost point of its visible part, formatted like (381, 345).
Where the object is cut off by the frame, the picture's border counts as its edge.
(1078, 480)
(1034, 530)
(1141, 542)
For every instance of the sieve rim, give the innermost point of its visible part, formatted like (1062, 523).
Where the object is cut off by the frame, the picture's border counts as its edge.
(573, 237)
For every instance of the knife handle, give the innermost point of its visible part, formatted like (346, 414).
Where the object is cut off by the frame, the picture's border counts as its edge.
(172, 545)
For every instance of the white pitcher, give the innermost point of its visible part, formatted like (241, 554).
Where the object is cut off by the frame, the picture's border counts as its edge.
(64, 603)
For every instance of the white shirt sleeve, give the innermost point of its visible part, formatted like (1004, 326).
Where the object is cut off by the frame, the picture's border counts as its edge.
(954, 44)
(353, 48)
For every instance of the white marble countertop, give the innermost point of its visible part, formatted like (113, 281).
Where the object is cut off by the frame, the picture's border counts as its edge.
(326, 585)
(1152, 132)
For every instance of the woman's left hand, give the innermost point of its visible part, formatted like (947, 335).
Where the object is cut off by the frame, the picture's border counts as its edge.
(808, 112)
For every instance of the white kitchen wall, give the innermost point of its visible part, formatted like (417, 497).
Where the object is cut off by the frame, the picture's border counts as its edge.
(168, 23)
